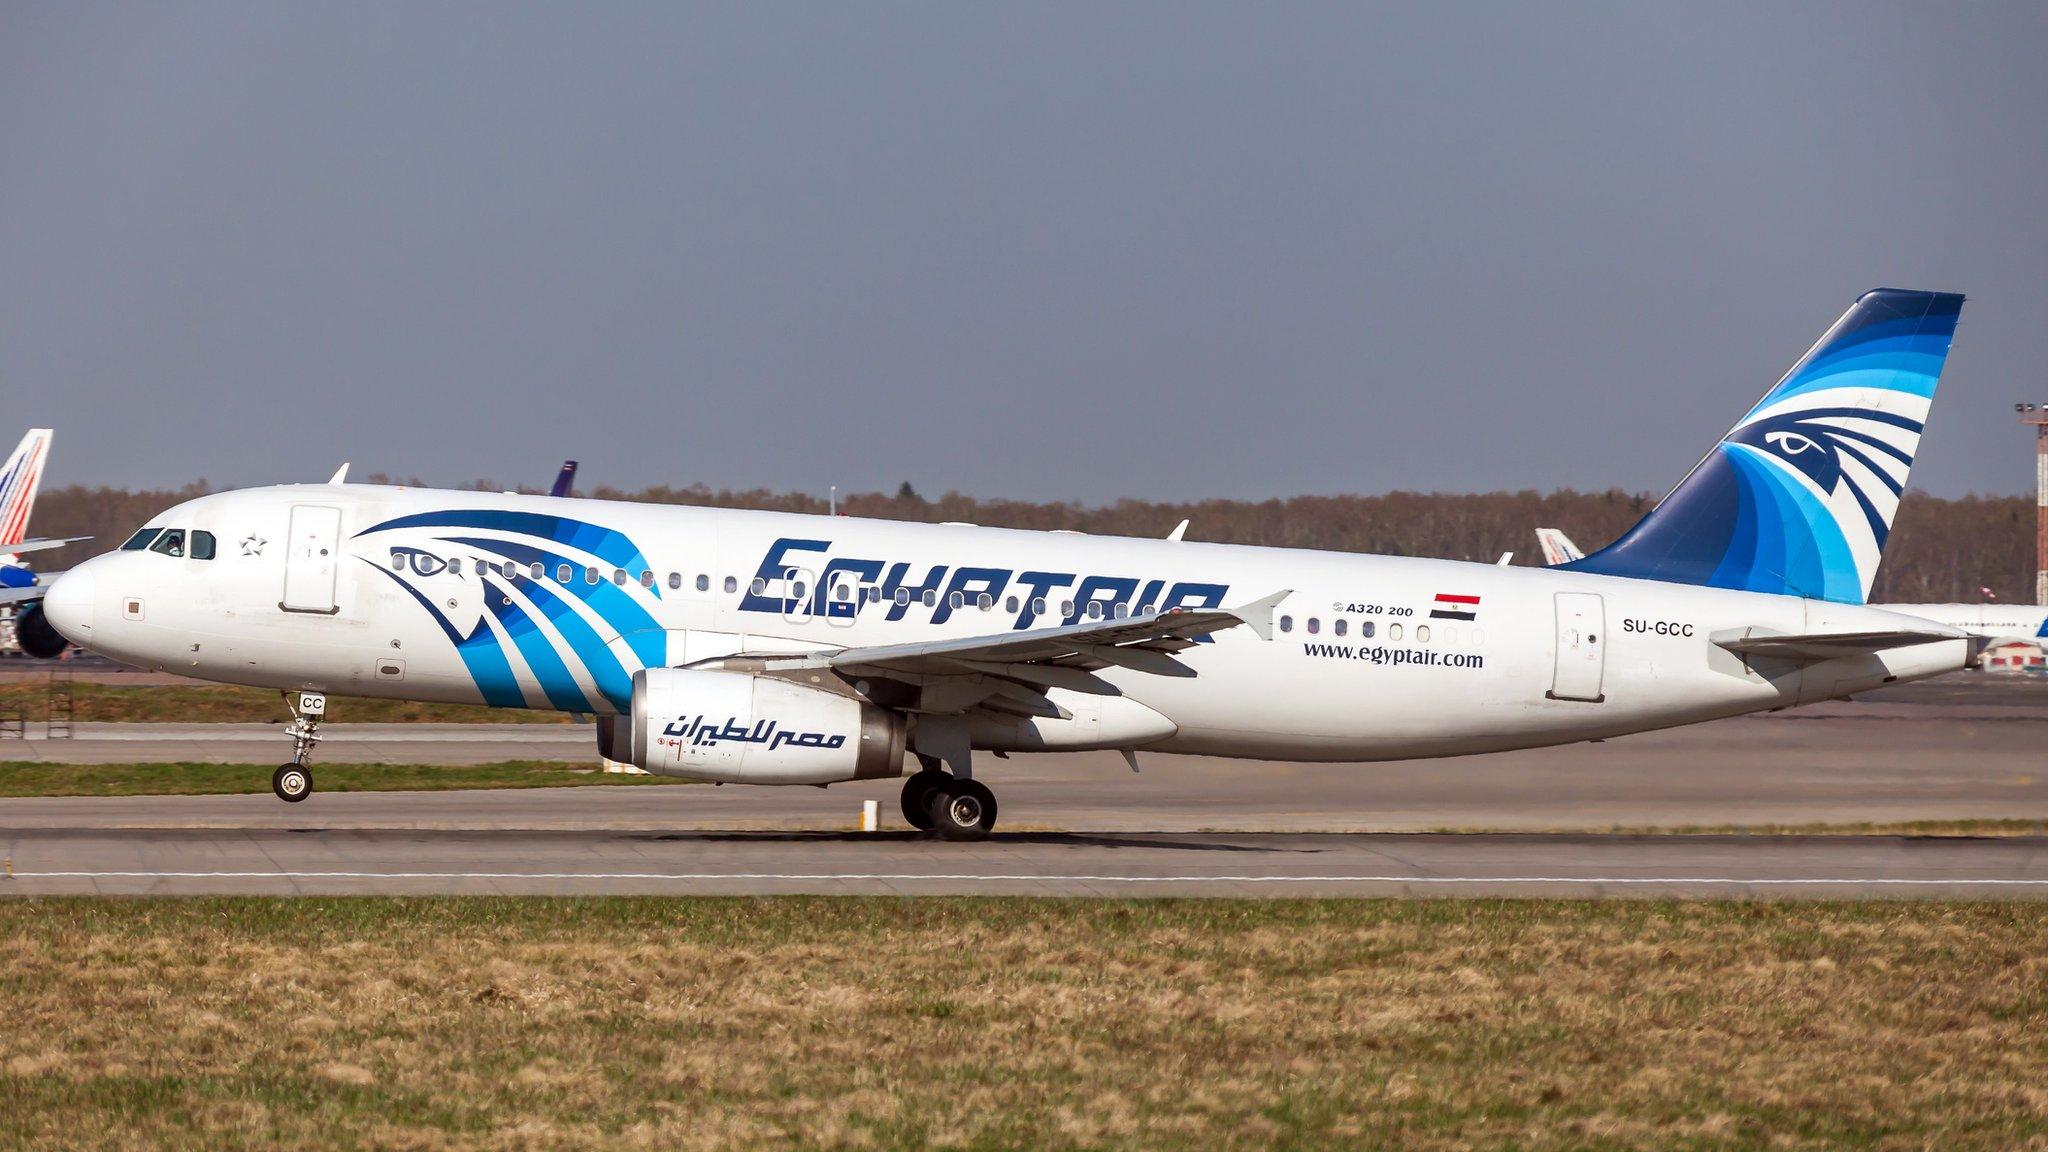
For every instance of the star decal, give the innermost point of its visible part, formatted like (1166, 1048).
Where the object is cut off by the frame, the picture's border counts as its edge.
(252, 545)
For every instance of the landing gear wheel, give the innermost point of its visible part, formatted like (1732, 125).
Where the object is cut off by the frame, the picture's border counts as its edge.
(917, 794)
(292, 782)
(962, 810)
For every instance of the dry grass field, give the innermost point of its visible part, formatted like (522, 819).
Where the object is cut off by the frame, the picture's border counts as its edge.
(990, 1023)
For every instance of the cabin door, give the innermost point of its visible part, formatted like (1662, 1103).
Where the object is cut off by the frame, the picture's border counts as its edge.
(311, 559)
(1581, 648)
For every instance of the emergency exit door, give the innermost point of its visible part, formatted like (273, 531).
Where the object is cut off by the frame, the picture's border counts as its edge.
(1581, 647)
(311, 556)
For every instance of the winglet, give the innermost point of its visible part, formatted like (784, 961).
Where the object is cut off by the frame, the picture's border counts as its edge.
(1258, 615)
(1179, 530)
(340, 474)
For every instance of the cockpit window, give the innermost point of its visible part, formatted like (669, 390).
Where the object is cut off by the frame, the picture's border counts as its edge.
(171, 543)
(140, 540)
(202, 545)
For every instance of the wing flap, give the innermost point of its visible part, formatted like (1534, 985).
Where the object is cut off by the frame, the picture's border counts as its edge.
(1047, 657)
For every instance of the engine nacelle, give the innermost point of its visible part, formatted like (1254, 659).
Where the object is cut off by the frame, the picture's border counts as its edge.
(35, 635)
(741, 728)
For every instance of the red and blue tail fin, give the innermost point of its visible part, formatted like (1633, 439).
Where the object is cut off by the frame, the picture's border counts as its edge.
(19, 479)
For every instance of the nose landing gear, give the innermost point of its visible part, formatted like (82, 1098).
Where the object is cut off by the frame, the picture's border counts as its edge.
(293, 782)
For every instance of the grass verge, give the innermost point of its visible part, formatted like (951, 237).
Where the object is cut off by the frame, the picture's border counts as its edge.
(991, 1023)
(37, 778)
(228, 704)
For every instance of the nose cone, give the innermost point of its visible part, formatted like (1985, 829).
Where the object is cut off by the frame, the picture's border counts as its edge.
(69, 605)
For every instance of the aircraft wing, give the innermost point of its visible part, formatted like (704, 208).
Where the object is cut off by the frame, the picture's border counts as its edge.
(1063, 657)
(1816, 647)
(40, 545)
(12, 596)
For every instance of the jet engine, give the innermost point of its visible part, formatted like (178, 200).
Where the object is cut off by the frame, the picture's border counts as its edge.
(737, 727)
(33, 632)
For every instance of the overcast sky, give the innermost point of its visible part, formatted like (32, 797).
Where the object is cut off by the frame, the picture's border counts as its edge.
(1079, 252)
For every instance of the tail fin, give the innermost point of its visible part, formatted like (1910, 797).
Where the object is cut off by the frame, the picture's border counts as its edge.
(1557, 547)
(1799, 497)
(565, 480)
(19, 479)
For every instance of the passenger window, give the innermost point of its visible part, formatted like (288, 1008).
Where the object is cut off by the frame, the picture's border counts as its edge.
(564, 573)
(1393, 631)
(902, 597)
(140, 540)
(647, 578)
(1366, 628)
(1287, 623)
(703, 582)
(202, 545)
(956, 600)
(397, 562)
(759, 586)
(1038, 605)
(931, 597)
(986, 601)
(732, 584)
(1121, 611)
(590, 576)
(536, 571)
(1422, 633)
(619, 577)
(1010, 605)
(455, 565)
(675, 582)
(1314, 625)
(1339, 627)
(1095, 610)
(171, 543)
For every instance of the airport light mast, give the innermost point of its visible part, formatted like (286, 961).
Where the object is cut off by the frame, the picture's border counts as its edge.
(2037, 415)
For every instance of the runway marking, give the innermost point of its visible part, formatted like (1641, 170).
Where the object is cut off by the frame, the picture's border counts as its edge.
(1018, 877)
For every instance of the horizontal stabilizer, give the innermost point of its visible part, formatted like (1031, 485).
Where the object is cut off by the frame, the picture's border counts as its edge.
(1812, 648)
(40, 545)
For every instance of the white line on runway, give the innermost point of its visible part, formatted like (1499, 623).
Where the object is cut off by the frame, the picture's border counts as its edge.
(1038, 878)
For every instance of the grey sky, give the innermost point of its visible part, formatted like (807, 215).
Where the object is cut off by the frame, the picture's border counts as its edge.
(1076, 252)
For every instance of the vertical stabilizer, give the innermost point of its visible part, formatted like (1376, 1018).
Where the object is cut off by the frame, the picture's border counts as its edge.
(19, 479)
(1798, 498)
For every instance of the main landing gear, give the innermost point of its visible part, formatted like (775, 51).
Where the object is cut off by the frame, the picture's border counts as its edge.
(955, 807)
(293, 782)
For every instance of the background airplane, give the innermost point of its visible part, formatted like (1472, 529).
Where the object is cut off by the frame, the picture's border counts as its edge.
(1996, 621)
(20, 479)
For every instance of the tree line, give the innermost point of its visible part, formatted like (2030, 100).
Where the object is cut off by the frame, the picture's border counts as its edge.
(1940, 550)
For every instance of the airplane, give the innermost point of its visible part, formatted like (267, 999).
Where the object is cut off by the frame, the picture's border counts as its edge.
(1993, 621)
(774, 648)
(20, 479)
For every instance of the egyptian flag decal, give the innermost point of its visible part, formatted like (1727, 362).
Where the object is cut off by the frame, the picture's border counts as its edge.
(1450, 607)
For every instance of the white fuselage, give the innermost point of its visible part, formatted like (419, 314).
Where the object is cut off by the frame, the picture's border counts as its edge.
(374, 591)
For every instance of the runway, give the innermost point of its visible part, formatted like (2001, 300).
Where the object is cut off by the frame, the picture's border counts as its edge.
(56, 861)
(1539, 822)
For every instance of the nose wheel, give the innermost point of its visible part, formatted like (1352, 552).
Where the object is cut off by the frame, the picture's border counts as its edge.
(292, 782)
